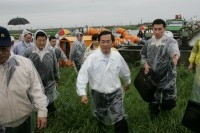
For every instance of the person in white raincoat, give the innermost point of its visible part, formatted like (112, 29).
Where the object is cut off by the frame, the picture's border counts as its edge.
(45, 62)
(19, 47)
(57, 50)
(77, 51)
(21, 90)
(103, 70)
(160, 55)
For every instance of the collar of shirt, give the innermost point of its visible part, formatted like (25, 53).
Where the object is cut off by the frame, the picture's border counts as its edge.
(105, 58)
(26, 44)
(158, 42)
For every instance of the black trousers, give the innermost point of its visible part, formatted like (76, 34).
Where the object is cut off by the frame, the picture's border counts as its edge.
(51, 109)
(25, 127)
(121, 126)
(2, 129)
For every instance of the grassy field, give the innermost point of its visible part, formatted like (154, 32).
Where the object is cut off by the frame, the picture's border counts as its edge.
(73, 117)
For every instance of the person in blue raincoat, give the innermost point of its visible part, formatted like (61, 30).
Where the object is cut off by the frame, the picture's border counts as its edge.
(20, 46)
(45, 62)
(160, 55)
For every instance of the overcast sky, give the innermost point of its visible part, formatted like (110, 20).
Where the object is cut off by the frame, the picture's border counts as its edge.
(71, 13)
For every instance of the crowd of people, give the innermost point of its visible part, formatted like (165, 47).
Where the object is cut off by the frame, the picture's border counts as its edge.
(29, 75)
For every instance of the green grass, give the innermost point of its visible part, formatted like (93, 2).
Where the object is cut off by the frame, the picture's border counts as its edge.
(73, 117)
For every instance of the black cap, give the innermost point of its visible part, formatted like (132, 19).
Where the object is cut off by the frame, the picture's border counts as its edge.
(5, 40)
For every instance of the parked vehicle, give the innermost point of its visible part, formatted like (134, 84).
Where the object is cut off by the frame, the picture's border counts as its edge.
(175, 25)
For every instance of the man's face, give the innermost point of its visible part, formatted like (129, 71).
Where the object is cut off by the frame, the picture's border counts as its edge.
(41, 42)
(53, 42)
(105, 43)
(4, 54)
(28, 38)
(158, 30)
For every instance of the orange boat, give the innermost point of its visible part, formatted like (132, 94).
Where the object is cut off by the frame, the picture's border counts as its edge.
(91, 30)
(67, 41)
(125, 35)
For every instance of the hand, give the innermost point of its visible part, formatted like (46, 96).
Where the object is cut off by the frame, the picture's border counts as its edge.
(190, 67)
(69, 63)
(84, 99)
(41, 122)
(126, 87)
(175, 59)
(146, 68)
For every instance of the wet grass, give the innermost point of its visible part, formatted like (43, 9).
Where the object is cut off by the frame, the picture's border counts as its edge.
(73, 117)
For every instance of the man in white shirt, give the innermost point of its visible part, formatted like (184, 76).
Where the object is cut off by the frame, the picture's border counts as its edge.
(103, 70)
(18, 98)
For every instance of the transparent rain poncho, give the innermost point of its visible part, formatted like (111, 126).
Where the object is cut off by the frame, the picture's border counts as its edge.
(46, 64)
(158, 54)
(77, 53)
(58, 52)
(196, 86)
(104, 74)
(108, 108)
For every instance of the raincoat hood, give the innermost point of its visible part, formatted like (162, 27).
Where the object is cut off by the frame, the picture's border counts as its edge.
(25, 32)
(34, 39)
(78, 34)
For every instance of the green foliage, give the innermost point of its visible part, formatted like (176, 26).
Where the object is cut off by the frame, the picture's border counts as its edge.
(73, 117)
